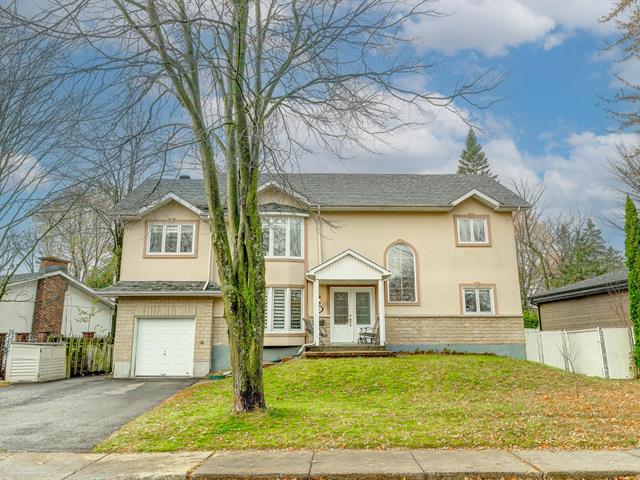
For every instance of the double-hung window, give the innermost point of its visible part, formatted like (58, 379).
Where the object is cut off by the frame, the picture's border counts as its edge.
(171, 238)
(472, 230)
(282, 236)
(478, 300)
(283, 309)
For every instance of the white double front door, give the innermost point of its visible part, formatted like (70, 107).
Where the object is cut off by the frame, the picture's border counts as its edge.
(352, 309)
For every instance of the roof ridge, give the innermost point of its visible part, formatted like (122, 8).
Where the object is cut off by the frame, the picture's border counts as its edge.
(351, 174)
(345, 189)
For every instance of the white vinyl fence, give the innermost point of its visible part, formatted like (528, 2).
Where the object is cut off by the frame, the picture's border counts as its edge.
(598, 352)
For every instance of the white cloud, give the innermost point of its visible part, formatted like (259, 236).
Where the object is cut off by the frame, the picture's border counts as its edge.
(492, 27)
(554, 39)
(576, 14)
(628, 71)
(573, 170)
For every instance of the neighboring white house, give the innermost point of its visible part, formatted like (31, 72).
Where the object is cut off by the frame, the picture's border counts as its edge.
(52, 302)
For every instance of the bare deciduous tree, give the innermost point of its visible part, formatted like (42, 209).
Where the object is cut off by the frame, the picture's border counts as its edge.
(625, 15)
(248, 82)
(556, 250)
(112, 158)
(77, 232)
(531, 242)
(626, 170)
(35, 116)
(623, 107)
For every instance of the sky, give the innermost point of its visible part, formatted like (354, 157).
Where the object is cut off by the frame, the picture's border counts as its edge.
(549, 128)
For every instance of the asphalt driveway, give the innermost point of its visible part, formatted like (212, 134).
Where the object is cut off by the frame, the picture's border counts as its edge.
(75, 414)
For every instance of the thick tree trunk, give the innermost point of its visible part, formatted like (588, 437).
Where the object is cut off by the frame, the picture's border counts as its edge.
(236, 235)
(245, 343)
(118, 240)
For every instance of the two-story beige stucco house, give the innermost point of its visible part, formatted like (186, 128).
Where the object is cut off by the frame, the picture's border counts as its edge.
(427, 260)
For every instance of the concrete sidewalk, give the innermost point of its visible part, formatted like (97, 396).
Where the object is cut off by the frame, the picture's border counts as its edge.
(332, 464)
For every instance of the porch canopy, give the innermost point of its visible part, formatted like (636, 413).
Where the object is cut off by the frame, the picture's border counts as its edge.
(348, 268)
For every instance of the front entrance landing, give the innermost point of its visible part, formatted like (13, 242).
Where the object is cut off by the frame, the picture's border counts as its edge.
(347, 350)
(356, 298)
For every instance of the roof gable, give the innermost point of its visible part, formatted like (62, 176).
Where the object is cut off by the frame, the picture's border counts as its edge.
(281, 188)
(22, 278)
(348, 265)
(168, 198)
(477, 195)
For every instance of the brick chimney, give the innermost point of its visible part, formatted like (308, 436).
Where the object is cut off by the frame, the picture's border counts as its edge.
(49, 264)
(48, 308)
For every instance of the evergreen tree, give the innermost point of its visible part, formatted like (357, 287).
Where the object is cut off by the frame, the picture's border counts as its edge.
(585, 254)
(473, 159)
(632, 251)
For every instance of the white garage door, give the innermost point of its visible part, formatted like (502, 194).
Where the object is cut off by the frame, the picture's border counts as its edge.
(164, 347)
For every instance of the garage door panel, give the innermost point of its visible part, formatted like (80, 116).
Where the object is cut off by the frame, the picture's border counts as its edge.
(165, 347)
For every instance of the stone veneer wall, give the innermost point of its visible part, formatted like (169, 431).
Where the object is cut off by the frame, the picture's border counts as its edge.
(432, 330)
(129, 308)
(503, 335)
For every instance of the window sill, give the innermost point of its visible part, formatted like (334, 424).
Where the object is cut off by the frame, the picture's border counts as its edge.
(284, 259)
(473, 244)
(170, 255)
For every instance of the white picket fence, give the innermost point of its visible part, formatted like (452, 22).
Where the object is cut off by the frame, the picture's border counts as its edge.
(598, 352)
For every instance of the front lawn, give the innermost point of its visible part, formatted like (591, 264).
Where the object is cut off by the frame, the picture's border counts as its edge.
(429, 401)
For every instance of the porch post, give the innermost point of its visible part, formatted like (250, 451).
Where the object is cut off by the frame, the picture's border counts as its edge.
(316, 312)
(383, 333)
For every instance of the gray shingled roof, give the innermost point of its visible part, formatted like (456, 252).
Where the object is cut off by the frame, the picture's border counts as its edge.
(22, 277)
(612, 281)
(340, 190)
(26, 277)
(184, 288)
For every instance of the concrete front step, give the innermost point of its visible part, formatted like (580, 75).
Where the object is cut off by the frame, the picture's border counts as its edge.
(349, 354)
(346, 348)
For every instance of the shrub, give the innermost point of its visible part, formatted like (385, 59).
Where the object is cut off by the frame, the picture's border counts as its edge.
(530, 317)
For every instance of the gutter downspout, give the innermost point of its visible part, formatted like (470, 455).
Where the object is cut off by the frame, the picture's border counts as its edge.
(303, 348)
(319, 235)
(206, 284)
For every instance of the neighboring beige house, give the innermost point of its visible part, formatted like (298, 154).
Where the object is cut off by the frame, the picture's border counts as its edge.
(601, 301)
(429, 260)
(51, 302)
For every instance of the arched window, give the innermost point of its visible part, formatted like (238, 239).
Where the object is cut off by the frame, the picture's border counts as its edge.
(401, 262)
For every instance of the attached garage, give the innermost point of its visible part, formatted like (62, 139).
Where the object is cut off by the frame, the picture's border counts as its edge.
(164, 347)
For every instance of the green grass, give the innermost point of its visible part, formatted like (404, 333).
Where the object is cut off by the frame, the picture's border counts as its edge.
(4, 384)
(428, 401)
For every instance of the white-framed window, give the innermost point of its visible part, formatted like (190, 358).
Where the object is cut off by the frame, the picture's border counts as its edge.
(283, 236)
(171, 238)
(473, 230)
(284, 307)
(401, 262)
(478, 300)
